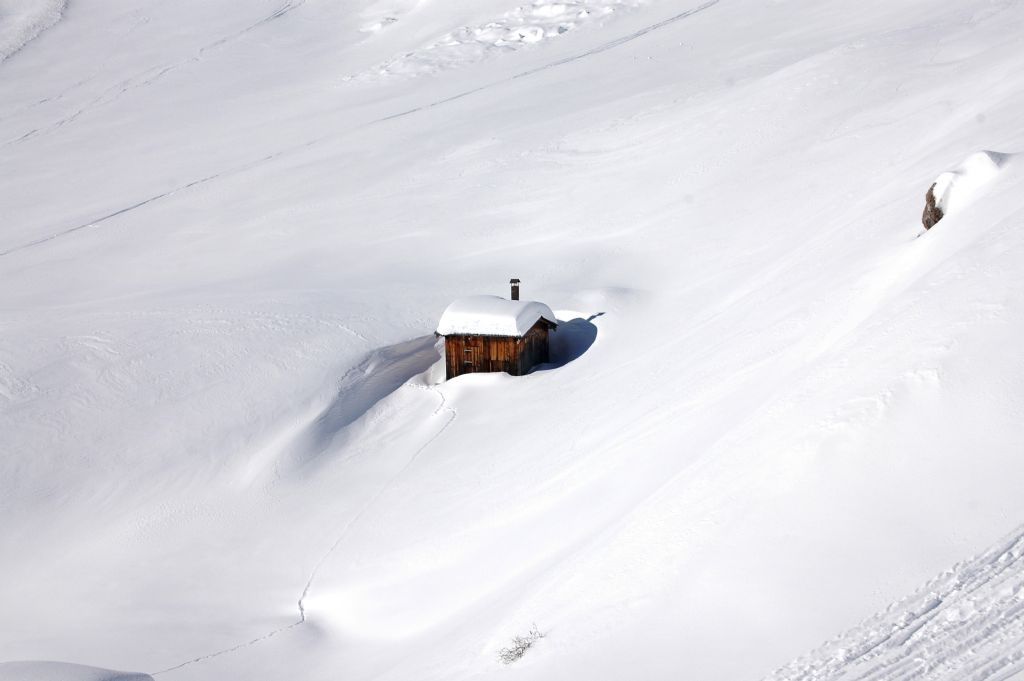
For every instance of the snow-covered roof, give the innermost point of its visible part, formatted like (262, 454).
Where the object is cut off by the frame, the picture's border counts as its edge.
(492, 316)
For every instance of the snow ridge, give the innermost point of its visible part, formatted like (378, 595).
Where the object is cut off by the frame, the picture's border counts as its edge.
(21, 22)
(965, 625)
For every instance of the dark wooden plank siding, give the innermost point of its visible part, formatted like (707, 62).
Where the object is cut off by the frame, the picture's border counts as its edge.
(479, 354)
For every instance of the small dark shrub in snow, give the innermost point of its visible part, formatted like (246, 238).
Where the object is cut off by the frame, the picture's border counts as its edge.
(520, 644)
(932, 213)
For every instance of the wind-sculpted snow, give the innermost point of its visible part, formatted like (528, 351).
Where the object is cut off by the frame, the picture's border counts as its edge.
(965, 625)
(63, 671)
(23, 20)
(405, 366)
(957, 187)
(524, 25)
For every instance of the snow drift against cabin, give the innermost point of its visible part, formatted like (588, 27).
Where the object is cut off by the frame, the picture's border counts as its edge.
(492, 316)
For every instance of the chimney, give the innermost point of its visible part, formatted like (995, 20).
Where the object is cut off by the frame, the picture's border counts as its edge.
(515, 288)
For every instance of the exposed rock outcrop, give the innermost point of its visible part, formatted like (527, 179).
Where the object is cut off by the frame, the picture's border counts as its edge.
(957, 188)
(932, 213)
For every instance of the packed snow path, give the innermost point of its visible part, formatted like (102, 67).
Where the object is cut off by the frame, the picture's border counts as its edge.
(965, 625)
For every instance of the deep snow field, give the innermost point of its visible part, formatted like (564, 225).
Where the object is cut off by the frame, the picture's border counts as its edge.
(783, 435)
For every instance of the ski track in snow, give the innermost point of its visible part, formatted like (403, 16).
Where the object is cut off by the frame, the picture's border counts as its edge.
(150, 76)
(308, 587)
(151, 199)
(305, 145)
(109, 216)
(965, 625)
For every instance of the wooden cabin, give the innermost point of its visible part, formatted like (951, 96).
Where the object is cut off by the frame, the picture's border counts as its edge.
(489, 334)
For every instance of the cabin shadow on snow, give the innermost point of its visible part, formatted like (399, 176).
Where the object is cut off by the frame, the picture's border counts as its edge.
(387, 369)
(570, 341)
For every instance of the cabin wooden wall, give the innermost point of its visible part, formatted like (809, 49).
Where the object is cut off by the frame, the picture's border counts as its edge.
(533, 349)
(482, 354)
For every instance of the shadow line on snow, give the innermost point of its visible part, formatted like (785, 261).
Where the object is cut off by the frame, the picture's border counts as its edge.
(571, 340)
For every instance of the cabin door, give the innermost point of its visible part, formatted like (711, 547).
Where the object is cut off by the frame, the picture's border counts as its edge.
(473, 355)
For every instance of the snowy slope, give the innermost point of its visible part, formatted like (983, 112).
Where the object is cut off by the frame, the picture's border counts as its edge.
(965, 624)
(231, 229)
(23, 20)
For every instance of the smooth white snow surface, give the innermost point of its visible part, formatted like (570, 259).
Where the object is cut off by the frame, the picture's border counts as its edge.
(225, 452)
(62, 671)
(492, 316)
